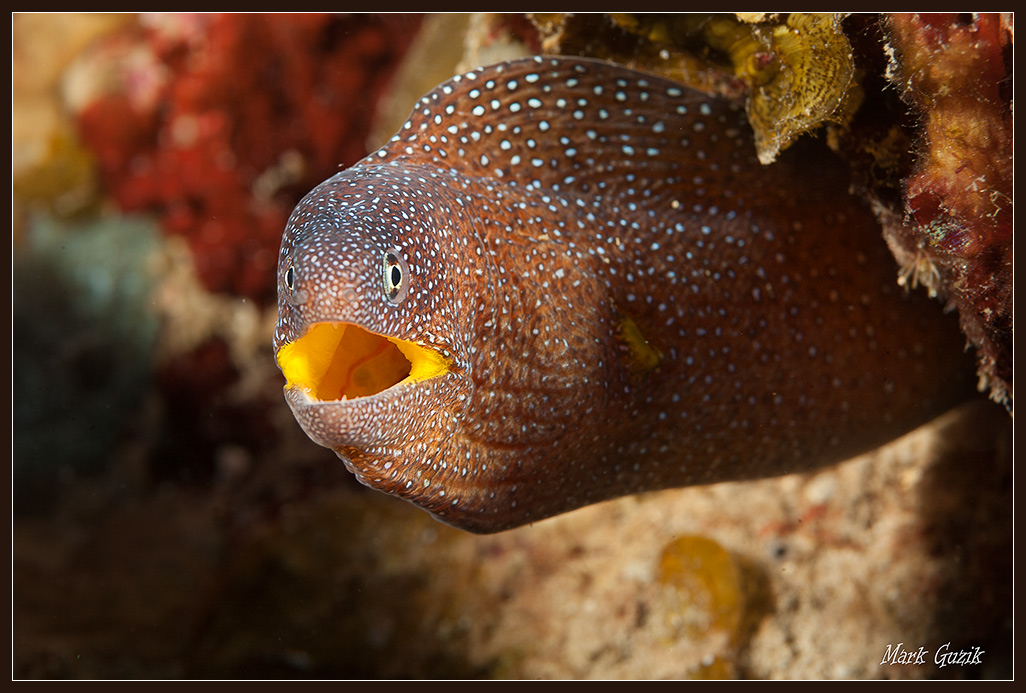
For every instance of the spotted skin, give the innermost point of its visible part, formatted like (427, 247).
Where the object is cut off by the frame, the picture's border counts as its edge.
(629, 301)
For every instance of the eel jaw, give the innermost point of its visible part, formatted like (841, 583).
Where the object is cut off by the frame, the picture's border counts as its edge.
(337, 361)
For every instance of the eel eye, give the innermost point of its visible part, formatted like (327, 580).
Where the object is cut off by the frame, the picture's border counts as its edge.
(395, 277)
(290, 278)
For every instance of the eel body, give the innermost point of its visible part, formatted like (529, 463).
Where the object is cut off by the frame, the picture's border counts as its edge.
(564, 281)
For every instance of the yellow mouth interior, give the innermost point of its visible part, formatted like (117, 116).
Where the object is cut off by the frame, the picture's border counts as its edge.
(336, 361)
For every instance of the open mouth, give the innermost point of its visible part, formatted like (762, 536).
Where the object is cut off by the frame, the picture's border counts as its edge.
(339, 361)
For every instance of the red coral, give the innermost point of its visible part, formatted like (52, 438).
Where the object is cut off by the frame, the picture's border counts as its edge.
(249, 112)
(956, 71)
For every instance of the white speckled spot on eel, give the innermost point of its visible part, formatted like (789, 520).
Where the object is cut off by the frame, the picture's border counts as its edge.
(565, 281)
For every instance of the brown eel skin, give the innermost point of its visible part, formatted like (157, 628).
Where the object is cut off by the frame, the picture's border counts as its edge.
(565, 281)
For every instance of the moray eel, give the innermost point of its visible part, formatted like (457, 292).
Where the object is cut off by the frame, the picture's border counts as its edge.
(564, 281)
